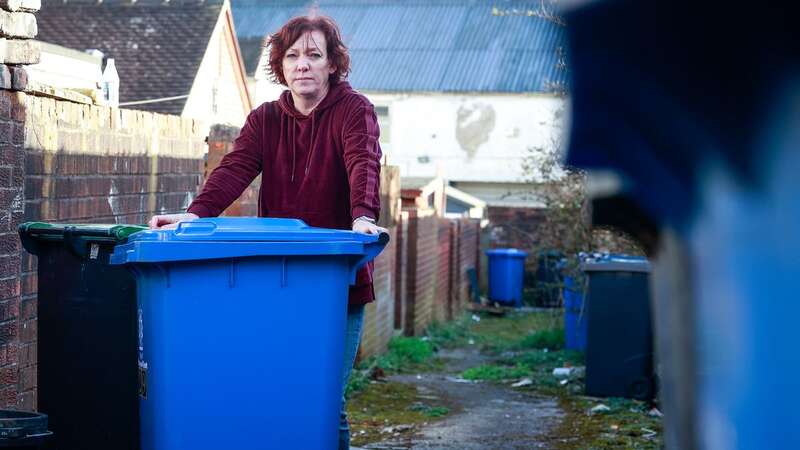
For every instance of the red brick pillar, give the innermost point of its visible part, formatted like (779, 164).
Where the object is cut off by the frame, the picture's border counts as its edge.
(220, 143)
(17, 318)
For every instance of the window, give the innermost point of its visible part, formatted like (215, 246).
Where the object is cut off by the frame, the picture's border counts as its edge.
(384, 123)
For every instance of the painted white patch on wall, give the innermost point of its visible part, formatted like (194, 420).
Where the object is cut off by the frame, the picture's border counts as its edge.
(472, 137)
(188, 200)
(18, 203)
(113, 201)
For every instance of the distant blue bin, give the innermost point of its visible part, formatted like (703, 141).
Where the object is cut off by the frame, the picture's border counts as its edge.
(241, 331)
(575, 319)
(506, 270)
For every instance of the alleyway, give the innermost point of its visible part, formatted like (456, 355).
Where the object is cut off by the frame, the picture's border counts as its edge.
(489, 386)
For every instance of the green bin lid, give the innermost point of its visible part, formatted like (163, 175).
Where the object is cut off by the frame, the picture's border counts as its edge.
(82, 239)
(98, 231)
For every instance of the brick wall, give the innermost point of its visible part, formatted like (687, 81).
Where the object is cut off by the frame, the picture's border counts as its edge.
(17, 317)
(468, 242)
(421, 227)
(378, 326)
(443, 287)
(17, 321)
(220, 143)
(83, 164)
(436, 256)
(379, 316)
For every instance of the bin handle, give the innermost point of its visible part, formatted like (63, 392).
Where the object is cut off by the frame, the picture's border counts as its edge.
(371, 250)
(191, 227)
(76, 244)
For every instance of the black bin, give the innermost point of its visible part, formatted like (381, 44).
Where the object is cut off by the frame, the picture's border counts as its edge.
(619, 349)
(23, 430)
(87, 342)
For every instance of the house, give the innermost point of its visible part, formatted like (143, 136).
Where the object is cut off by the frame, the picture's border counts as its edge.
(174, 57)
(74, 71)
(472, 91)
(447, 201)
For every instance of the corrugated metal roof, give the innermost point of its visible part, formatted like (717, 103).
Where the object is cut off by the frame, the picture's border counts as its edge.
(435, 45)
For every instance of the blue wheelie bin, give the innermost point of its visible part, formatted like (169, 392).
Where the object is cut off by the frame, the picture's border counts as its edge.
(506, 270)
(241, 331)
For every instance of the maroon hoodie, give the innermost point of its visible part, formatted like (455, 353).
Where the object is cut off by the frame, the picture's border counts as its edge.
(323, 168)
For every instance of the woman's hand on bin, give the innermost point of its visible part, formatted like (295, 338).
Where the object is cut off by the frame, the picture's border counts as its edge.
(167, 221)
(367, 226)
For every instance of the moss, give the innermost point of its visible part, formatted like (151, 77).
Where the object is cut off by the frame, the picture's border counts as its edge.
(626, 425)
(383, 405)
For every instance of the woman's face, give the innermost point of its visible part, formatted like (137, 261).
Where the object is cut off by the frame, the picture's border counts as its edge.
(306, 66)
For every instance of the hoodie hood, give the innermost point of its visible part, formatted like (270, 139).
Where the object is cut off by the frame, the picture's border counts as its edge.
(336, 92)
(286, 103)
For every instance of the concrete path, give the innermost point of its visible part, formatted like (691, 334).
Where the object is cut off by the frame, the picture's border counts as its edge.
(483, 416)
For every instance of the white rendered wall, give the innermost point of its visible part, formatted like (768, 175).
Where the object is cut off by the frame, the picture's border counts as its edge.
(214, 97)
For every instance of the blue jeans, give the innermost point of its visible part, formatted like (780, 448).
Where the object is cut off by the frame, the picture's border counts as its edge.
(355, 318)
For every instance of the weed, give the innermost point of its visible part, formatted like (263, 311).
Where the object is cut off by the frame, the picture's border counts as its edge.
(405, 353)
(451, 334)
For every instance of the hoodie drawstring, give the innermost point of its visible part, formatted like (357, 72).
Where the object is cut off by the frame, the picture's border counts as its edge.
(293, 144)
(311, 150)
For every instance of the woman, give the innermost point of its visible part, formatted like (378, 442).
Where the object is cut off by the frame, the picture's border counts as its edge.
(317, 150)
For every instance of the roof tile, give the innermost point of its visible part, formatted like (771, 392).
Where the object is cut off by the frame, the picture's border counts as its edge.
(157, 45)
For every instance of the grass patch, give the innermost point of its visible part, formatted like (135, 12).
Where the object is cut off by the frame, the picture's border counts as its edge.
(430, 411)
(405, 354)
(547, 360)
(544, 339)
(494, 372)
(455, 333)
(499, 334)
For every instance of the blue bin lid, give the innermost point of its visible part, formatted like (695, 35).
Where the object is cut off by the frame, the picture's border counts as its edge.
(235, 237)
(616, 263)
(508, 252)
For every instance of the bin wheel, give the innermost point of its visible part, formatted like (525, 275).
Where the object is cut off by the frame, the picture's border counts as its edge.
(641, 389)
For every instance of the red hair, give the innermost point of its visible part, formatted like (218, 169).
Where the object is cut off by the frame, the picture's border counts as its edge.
(290, 32)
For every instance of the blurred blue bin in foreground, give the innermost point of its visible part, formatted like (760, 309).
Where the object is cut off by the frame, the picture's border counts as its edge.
(575, 319)
(241, 331)
(710, 187)
(506, 270)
